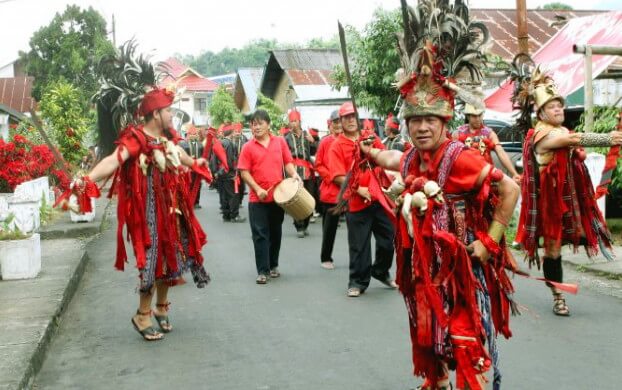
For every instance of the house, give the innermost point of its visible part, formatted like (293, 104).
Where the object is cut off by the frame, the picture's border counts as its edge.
(301, 78)
(226, 80)
(567, 68)
(246, 86)
(541, 26)
(15, 90)
(197, 91)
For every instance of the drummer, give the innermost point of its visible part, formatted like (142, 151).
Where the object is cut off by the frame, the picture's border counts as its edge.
(261, 164)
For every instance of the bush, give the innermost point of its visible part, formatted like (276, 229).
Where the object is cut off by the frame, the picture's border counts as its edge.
(21, 160)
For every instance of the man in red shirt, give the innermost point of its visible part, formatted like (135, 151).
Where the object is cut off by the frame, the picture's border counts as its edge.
(365, 214)
(451, 251)
(261, 166)
(328, 192)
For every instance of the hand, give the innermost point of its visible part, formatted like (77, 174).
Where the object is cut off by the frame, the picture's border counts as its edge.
(478, 251)
(365, 147)
(517, 178)
(262, 194)
(616, 137)
(309, 137)
(364, 193)
(201, 162)
(297, 177)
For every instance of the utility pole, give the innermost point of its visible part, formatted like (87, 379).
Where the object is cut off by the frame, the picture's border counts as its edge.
(521, 22)
(114, 33)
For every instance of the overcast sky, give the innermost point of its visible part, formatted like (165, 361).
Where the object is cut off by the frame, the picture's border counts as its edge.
(190, 27)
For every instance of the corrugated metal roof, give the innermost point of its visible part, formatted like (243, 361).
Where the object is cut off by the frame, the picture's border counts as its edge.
(319, 92)
(224, 78)
(308, 59)
(15, 92)
(250, 78)
(541, 26)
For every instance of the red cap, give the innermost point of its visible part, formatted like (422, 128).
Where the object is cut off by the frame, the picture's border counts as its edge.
(313, 132)
(294, 115)
(392, 122)
(346, 108)
(368, 124)
(237, 127)
(155, 100)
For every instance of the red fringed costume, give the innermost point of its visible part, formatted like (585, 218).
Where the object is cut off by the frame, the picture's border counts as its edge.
(479, 140)
(456, 306)
(154, 203)
(558, 201)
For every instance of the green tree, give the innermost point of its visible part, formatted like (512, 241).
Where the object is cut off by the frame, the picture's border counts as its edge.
(68, 49)
(373, 61)
(61, 109)
(222, 109)
(557, 6)
(253, 54)
(277, 117)
(605, 120)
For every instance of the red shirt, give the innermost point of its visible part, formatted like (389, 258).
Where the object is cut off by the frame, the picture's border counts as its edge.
(341, 156)
(265, 164)
(464, 172)
(328, 189)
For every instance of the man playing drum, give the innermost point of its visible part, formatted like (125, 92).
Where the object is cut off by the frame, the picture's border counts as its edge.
(261, 164)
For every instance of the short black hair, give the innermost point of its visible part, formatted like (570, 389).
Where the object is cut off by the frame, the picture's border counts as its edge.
(260, 115)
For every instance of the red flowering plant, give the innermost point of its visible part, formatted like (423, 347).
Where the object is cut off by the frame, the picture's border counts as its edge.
(22, 160)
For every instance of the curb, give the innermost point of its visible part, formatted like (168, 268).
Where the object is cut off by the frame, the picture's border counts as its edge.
(40, 352)
(39, 355)
(590, 269)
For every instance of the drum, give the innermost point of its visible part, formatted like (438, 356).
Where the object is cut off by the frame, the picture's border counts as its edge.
(294, 199)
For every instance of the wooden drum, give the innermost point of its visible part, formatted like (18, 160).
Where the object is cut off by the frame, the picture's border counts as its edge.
(294, 199)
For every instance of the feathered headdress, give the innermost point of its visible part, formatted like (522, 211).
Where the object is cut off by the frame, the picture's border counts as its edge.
(533, 88)
(126, 78)
(442, 56)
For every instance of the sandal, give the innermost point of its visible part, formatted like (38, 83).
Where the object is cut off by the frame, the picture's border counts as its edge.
(354, 292)
(148, 333)
(163, 321)
(559, 305)
(261, 279)
(274, 273)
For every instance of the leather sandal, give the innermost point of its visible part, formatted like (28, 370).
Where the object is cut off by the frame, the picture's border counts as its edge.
(148, 333)
(163, 321)
(559, 305)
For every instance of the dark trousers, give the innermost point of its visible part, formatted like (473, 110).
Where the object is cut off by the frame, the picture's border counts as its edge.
(230, 199)
(361, 225)
(221, 196)
(329, 230)
(241, 190)
(266, 220)
(303, 224)
(193, 178)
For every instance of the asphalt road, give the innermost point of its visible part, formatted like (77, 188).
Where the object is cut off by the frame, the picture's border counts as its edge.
(300, 331)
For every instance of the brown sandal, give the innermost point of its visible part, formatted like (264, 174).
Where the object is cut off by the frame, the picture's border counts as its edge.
(559, 305)
(148, 333)
(163, 321)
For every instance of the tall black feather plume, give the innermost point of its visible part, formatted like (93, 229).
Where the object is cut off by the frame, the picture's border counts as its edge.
(125, 77)
(460, 42)
(520, 73)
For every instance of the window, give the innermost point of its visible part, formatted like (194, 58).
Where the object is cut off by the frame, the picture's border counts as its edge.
(200, 104)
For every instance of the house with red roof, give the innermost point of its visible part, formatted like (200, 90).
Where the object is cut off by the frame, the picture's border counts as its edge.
(197, 90)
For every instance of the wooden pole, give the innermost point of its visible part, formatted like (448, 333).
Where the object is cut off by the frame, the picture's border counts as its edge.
(521, 23)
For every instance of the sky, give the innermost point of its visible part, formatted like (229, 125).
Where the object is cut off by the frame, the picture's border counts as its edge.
(163, 28)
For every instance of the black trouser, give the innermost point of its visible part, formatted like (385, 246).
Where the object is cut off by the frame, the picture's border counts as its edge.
(266, 220)
(230, 199)
(221, 195)
(241, 190)
(329, 230)
(193, 178)
(303, 224)
(361, 225)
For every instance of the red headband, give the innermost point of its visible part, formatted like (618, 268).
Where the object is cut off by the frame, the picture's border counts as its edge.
(156, 99)
(294, 115)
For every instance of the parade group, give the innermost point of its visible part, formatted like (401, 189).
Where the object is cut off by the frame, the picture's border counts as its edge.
(430, 196)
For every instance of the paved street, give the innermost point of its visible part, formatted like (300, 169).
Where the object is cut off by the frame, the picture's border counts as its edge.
(301, 331)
